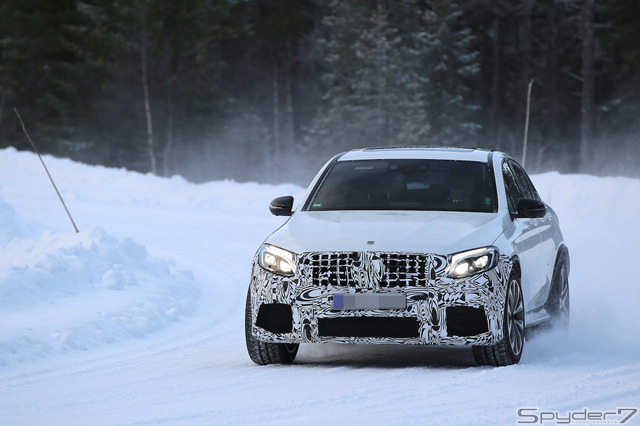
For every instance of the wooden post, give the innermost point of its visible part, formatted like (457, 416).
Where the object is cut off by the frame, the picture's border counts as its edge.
(526, 125)
(33, 145)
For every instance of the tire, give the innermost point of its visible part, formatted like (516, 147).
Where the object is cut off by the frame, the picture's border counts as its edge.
(509, 349)
(263, 353)
(559, 305)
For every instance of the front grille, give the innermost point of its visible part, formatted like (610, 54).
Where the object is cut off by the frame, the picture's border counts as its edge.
(368, 327)
(368, 269)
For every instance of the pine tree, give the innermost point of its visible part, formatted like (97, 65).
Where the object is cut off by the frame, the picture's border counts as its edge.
(398, 74)
(449, 65)
(367, 91)
(50, 60)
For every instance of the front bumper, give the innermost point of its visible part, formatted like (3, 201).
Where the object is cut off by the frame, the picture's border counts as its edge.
(438, 311)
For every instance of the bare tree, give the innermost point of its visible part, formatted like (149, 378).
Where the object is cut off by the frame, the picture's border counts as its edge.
(587, 107)
(3, 94)
(495, 83)
(526, 41)
(276, 114)
(145, 88)
(166, 151)
(290, 119)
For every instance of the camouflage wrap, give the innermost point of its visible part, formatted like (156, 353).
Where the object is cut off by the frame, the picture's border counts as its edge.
(428, 293)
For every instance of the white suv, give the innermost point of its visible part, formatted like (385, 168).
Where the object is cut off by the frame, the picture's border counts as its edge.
(410, 245)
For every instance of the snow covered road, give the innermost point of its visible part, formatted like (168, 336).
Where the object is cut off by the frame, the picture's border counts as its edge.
(139, 318)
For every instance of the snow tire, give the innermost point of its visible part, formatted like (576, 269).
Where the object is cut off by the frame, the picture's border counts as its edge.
(264, 353)
(509, 349)
(558, 306)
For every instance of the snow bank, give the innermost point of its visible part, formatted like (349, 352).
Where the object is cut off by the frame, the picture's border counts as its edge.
(13, 225)
(63, 291)
(71, 291)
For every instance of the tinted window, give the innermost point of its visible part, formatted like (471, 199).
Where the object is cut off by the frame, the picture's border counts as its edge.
(406, 185)
(523, 181)
(511, 187)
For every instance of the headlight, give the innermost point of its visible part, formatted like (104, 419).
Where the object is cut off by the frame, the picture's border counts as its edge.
(471, 262)
(276, 260)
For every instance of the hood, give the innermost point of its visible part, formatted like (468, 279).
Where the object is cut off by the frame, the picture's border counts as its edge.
(409, 232)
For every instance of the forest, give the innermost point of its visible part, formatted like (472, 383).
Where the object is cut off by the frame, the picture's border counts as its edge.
(268, 90)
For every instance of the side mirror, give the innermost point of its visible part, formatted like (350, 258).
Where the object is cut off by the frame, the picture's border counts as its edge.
(281, 206)
(530, 208)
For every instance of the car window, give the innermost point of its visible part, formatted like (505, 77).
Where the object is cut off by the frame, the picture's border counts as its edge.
(406, 184)
(511, 187)
(525, 189)
(524, 181)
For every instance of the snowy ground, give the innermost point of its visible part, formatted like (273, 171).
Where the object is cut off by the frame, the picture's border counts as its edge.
(138, 319)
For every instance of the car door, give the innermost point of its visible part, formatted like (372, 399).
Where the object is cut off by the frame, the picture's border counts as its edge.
(546, 244)
(527, 238)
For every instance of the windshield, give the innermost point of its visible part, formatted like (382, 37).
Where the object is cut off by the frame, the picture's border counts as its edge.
(408, 184)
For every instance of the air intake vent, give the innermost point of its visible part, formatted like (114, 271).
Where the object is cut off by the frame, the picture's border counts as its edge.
(466, 321)
(368, 327)
(275, 318)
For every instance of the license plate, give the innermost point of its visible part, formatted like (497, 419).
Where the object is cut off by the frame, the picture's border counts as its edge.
(343, 302)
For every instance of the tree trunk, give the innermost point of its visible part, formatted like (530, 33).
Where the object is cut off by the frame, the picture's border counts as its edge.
(276, 115)
(552, 81)
(289, 99)
(166, 152)
(145, 89)
(587, 104)
(381, 83)
(495, 83)
(3, 94)
(526, 35)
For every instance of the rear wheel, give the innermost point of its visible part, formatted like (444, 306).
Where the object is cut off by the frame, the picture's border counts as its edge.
(559, 305)
(264, 353)
(509, 349)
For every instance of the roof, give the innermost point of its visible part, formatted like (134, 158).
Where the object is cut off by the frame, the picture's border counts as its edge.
(422, 152)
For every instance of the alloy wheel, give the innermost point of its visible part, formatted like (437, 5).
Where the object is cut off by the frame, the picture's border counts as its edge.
(563, 299)
(515, 317)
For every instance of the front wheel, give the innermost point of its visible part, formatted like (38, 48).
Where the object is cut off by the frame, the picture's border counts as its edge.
(264, 353)
(509, 349)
